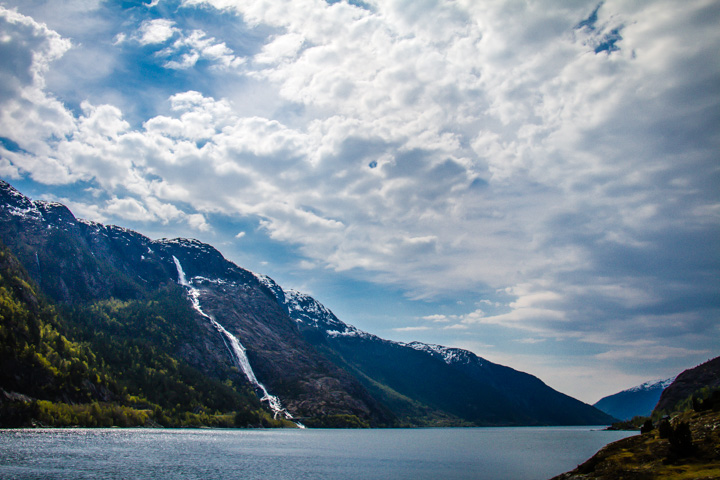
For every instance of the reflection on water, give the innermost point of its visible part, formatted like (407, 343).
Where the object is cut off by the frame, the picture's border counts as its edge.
(460, 453)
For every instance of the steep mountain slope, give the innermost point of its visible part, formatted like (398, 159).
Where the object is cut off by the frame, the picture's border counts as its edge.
(106, 365)
(183, 300)
(81, 264)
(34, 355)
(699, 381)
(636, 401)
(432, 384)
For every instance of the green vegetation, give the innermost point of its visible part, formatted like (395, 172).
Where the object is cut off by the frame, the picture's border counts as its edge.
(682, 445)
(337, 421)
(109, 363)
(635, 423)
(705, 398)
(36, 357)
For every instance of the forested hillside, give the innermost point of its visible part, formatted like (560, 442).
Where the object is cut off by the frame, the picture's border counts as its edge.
(107, 363)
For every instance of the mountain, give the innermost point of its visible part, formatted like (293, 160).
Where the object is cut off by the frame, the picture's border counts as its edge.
(83, 265)
(698, 382)
(635, 401)
(684, 441)
(433, 382)
(171, 328)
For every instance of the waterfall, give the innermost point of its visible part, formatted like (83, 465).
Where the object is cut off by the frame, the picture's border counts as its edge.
(237, 351)
(181, 274)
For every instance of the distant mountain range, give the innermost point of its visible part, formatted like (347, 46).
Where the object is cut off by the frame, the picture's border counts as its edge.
(636, 401)
(106, 325)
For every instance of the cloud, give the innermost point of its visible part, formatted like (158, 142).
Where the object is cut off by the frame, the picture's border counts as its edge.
(650, 352)
(198, 222)
(156, 31)
(555, 161)
(129, 209)
(197, 46)
(28, 115)
(411, 329)
(282, 48)
(186, 50)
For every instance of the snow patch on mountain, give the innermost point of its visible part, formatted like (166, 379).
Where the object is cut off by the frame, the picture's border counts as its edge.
(652, 384)
(307, 311)
(448, 354)
(29, 212)
(189, 243)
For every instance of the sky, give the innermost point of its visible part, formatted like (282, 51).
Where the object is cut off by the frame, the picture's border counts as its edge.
(535, 181)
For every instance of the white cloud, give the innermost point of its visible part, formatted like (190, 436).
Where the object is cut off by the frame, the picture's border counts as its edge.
(198, 222)
(282, 48)
(411, 329)
(156, 31)
(129, 209)
(187, 49)
(650, 352)
(198, 46)
(29, 115)
(438, 147)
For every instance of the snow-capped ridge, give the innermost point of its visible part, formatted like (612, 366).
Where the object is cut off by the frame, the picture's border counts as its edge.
(308, 312)
(30, 212)
(663, 384)
(449, 354)
(49, 205)
(190, 243)
(90, 223)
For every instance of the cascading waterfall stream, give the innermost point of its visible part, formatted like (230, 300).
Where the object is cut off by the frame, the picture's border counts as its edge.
(237, 351)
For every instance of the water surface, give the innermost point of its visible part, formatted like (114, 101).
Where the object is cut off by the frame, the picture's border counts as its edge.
(530, 453)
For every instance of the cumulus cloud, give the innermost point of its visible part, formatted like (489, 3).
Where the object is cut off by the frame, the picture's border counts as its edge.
(29, 115)
(559, 158)
(156, 31)
(197, 46)
(179, 49)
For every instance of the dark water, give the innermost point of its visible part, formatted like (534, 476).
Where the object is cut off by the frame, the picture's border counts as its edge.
(461, 453)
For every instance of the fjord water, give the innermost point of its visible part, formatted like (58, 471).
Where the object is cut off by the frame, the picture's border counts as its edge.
(448, 453)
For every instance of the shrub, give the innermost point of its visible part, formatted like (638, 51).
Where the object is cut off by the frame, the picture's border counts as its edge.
(646, 427)
(681, 441)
